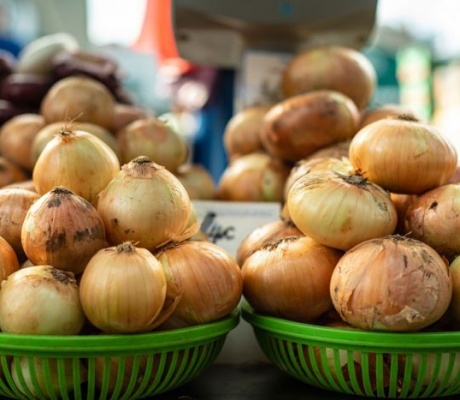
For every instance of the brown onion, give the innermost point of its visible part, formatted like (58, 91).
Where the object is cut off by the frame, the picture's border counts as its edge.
(340, 210)
(402, 202)
(14, 205)
(403, 155)
(299, 126)
(386, 111)
(62, 229)
(208, 277)
(339, 68)
(290, 278)
(79, 98)
(11, 172)
(336, 150)
(127, 113)
(77, 160)
(17, 136)
(434, 218)
(145, 203)
(197, 180)
(253, 177)
(392, 283)
(155, 139)
(9, 262)
(454, 308)
(28, 184)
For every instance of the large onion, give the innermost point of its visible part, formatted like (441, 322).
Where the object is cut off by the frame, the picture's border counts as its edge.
(145, 203)
(290, 278)
(340, 210)
(301, 125)
(63, 230)
(403, 155)
(392, 283)
(338, 68)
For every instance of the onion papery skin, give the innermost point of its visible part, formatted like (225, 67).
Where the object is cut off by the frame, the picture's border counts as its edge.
(340, 210)
(14, 204)
(394, 283)
(40, 300)
(267, 233)
(77, 160)
(62, 229)
(290, 278)
(434, 218)
(298, 126)
(123, 289)
(256, 177)
(145, 203)
(403, 155)
(339, 68)
(155, 139)
(208, 278)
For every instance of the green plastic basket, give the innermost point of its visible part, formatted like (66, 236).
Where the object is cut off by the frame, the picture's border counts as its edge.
(361, 363)
(108, 366)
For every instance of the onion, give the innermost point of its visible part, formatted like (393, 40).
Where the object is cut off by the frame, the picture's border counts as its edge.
(123, 289)
(10, 172)
(392, 283)
(386, 111)
(253, 177)
(454, 308)
(63, 230)
(289, 278)
(339, 68)
(155, 139)
(402, 202)
(197, 180)
(241, 134)
(340, 210)
(77, 160)
(434, 218)
(208, 277)
(9, 262)
(79, 98)
(336, 150)
(40, 300)
(403, 155)
(127, 113)
(17, 136)
(28, 184)
(301, 125)
(145, 203)
(14, 204)
(267, 233)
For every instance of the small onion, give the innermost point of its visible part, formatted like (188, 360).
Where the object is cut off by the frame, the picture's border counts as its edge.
(385, 111)
(403, 155)
(340, 210)
(336, 150)
(123, 289)
(127, 113)
(77, 160)
(145, 203)
(63, 230)
(402, 202)
(290, 278)
(454, 308)
(10, 172)
(40, 300)
(434, 218)
(208, 277)
(9, 262)
(392, 283)
(253, 177)
(197, 180)
(14, 204)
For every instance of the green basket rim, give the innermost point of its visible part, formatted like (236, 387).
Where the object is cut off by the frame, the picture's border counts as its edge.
(119, 343)
(297, 331)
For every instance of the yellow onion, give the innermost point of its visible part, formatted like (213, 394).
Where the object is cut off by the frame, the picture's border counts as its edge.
(241, 135)
(197, 180)
(79, 98)
(298, 126)
(40, 300)
(17, 136)
(339, 68)
(267, 233)
(208, 277)
(77, 160)
(290, 278)
(9, 262)
(340, 210)
(454, 308)
(336, 150)
(123, 289)
(145, 203)
(28, 184)
(394, 283)
(14, 204)
(385, 111)
(403, 155)
(155, 139)
(402, 202)
(253, 177)
(10, 172)
(434, 218)
(63, 230)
